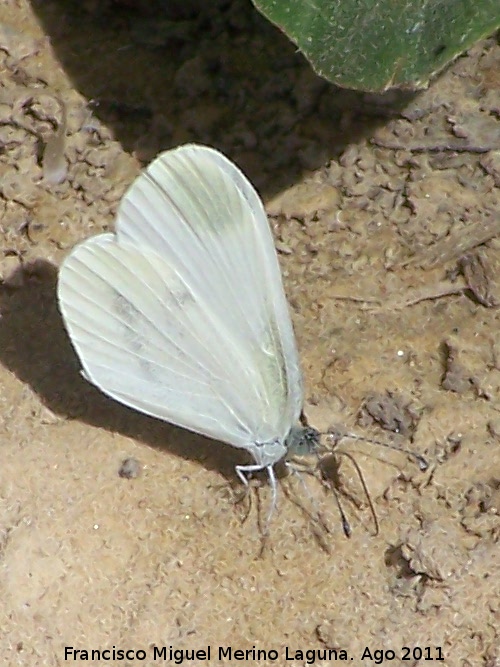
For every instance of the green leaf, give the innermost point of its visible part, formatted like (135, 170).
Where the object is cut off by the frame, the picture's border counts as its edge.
(373, 45)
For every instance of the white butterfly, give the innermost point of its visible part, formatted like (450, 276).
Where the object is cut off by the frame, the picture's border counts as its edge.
(181, 313)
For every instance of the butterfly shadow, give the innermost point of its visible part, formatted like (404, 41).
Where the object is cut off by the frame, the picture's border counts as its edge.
(34, 346)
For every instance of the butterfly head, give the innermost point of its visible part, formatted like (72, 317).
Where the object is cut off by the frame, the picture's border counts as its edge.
(302, 440)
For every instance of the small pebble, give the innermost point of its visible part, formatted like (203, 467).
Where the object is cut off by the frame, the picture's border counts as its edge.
(130, 468)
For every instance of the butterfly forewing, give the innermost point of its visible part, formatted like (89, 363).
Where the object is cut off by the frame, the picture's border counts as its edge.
(182, 314)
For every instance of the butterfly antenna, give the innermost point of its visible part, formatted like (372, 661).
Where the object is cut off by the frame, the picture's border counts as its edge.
(421, 461)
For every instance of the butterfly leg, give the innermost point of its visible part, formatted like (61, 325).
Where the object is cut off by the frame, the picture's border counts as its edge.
(242, 472)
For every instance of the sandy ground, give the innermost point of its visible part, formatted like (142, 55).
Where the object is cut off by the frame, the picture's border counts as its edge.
(385, 211)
